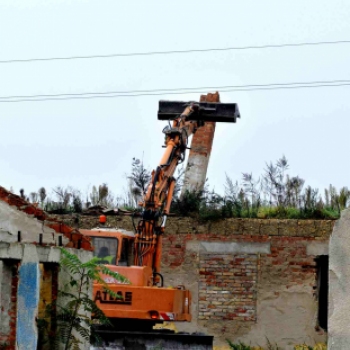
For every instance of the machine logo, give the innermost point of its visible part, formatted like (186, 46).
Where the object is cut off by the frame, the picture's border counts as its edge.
(104, 298)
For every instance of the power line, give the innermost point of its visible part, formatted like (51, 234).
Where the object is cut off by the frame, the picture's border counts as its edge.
(238, 88)
(190, 89)
(151, 53)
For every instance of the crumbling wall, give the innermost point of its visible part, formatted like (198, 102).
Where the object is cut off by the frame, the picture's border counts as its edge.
(271, 290)
(29, 239)
(13, 221)
(250, 279)
(20, 290)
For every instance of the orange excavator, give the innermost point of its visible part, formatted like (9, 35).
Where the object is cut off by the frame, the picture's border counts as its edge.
(143, 301)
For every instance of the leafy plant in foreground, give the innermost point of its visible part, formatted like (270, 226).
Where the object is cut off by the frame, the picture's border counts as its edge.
(74, 313)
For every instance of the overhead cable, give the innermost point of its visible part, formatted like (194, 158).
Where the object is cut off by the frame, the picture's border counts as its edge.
(171, 52)
(159, 92)
(180, 89)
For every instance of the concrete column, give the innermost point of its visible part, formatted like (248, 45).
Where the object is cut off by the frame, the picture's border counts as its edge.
(198, 160)
(28, 299)
(339, 285)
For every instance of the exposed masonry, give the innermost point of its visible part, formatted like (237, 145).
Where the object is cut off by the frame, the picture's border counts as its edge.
(228, 282)
(25, 222)
(8, 304)
(275, 260)
(217, 229)
(21, 283)
(227, 287)
(28, 241)
(201, 146)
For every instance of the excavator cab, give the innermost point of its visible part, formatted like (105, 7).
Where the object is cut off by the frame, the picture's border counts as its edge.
(112, 246)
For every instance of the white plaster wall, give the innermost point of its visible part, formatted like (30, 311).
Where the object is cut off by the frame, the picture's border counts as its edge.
(339, 285)
(13, 220)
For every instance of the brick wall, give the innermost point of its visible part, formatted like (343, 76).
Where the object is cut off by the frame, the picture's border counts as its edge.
(271, 290)
(266, 290)
(227, 287)
(8, 304)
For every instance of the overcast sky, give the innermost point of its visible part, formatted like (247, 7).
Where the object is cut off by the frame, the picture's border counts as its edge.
(87, 142)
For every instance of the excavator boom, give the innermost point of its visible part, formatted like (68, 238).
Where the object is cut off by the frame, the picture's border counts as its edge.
(186, 118)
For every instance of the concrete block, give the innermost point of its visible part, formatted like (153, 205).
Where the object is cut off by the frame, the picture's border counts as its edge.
(11, 251)
(317, 248)
(234, 248)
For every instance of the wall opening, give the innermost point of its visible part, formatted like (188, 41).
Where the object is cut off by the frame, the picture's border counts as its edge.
(46, 321)
(322, 262)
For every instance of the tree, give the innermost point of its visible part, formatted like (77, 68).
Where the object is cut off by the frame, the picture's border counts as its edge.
(77, 202)
(94, 195)
(33, 196)
(64, 196)
(139, 179)
(42, 194)
(251, 189)
(101, 195)
(21, 193)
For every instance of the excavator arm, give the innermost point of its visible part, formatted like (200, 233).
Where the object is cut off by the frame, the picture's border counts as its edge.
(186, 119)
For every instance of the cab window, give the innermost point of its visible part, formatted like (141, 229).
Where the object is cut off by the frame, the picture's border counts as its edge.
(105, 249)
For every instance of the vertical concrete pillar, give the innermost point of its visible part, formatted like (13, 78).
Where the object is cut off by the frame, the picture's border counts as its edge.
(339, 285)
(28, 299)
(198, 160)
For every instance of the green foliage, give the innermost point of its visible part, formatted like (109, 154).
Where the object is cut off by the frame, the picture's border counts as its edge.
(303, 347)
(270, 346)
(275, 194)
(74, 314)
(238, 346)
(189, 203)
